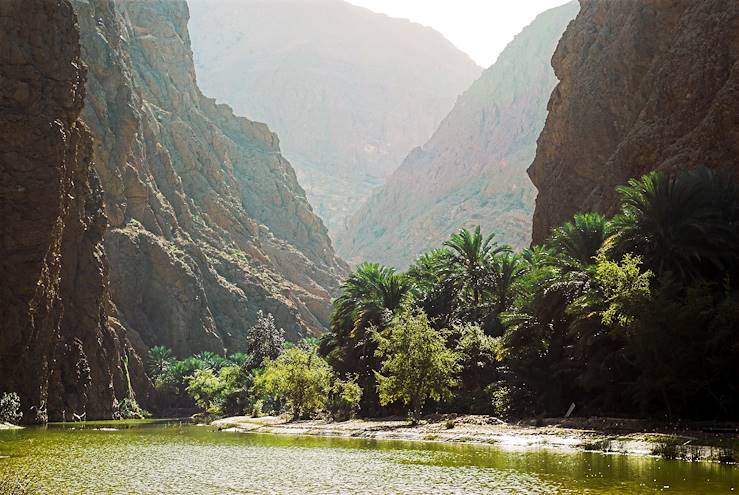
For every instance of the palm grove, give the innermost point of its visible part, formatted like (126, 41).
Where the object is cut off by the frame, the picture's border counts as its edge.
(630, 315)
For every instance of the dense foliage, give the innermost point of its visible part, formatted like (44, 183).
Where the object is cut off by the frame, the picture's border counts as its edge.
(273, 377)
(10, 408)
(417, 365)
(631, 315)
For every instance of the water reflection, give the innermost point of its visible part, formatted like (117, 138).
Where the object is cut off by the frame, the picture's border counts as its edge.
(172, 457)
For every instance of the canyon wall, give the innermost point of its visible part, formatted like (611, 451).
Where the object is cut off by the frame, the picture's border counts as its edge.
(644, 85)
(473, 169)
(207, 221)
(61, 347)
(349, 91)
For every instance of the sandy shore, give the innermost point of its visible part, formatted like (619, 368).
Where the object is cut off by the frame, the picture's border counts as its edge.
(632, 437)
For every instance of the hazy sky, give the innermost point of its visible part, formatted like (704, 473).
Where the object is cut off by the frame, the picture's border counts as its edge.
(481, 28)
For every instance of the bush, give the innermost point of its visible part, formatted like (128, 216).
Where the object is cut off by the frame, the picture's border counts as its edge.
(511, 400)
(417, 365)
(10, 408)
(298, 378)
(204, 387)
(264, 340)
(128, 408)
(344, 398)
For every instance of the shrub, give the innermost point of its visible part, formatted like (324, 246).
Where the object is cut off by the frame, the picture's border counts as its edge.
(298, 378)
(264, 340)
(344, 398)
(204, 387)
(10, 408)
(417, 365)
(128, 408)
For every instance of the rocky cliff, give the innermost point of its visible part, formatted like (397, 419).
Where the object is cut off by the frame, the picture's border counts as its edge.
(207, 221)
(349, 92)
(644, 85)
(61, 348)
(473, 170)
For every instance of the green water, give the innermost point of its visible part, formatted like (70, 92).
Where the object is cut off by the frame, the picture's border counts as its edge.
(175, 458)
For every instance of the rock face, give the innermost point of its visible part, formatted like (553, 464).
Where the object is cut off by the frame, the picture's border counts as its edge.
(349, 92)
(645, 85)
(207, 221)
(61, 348)
(473, 170)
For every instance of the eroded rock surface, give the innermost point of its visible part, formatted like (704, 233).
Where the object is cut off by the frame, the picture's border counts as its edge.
(208, 222)
(61, 347)
(644, 85)
(473, 170)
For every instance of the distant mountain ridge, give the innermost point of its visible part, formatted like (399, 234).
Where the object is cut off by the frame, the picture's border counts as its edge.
(349, 92)
(473, 170)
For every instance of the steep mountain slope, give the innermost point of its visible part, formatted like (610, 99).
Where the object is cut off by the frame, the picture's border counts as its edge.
(473, 170)
(61, 348)
(350, 92)
(644, 85)
(207, 221)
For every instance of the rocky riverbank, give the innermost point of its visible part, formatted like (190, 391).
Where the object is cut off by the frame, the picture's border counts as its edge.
(695, 442)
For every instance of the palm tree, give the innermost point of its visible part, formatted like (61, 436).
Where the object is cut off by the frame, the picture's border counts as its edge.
(366, 296)
(684, 224)
(504, 270)
(368, 299)
(159, 359)
(211, 360)
(432, 289)
(576, 243)
(470, 254)
(535, 342)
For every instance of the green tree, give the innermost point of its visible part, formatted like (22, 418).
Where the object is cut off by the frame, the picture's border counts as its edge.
(299, 378)
(470, 253)
(478, 368)
(211, 360)
(159, 359)
(368, 299)
(433, 289)
(344, 398)
(684, 224)
(576, 243)
(503, 271)
(417, 365)
(264, 340)
(204, 387)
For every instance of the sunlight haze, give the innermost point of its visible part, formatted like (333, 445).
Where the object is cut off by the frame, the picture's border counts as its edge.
(480, 28)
